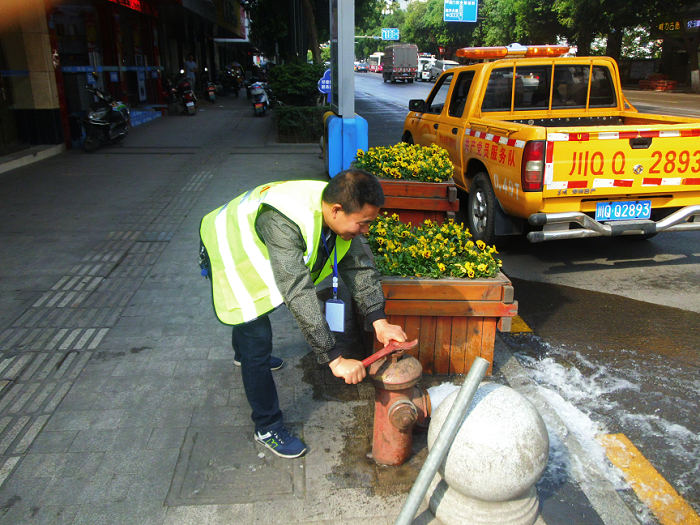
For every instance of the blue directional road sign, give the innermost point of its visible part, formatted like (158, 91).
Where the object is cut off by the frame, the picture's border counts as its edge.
(324, 85)
(460, 10)
(391, 33)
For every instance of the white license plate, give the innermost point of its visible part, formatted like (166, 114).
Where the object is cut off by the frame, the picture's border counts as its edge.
(622, 211)
(190, 104)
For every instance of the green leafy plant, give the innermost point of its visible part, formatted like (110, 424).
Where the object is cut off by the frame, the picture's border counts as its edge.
(299, 124)
(407, 161)
(296, 83)
(429, 250)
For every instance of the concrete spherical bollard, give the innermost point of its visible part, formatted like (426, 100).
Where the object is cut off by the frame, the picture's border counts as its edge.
(489, 473)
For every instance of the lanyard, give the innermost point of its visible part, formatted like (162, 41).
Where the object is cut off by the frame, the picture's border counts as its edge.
(335, 264)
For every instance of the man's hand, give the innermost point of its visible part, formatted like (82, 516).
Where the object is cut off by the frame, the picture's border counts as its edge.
(349, 369)
(387, 332)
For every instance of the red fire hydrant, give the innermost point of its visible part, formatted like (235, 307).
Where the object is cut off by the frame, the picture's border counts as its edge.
(399, 404)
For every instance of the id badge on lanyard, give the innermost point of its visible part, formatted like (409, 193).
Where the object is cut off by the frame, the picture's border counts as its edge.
(335, 308)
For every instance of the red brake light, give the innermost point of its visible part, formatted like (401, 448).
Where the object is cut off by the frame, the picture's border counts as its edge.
(532, 169)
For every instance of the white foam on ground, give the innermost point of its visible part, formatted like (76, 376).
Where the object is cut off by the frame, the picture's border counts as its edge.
(439, 393)
(565, 389)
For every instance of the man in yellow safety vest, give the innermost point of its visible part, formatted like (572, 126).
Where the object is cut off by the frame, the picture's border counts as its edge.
(272, 245)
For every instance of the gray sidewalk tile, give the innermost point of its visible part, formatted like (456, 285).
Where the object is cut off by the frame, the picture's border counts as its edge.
(142, 367)
(106, 440)
(25, 492)
(84, 419)
(53, 442)
(198, 397)
(157, 418)
(228, 416)
(209, 514)
(127, 513)
(44, 515)
(162, 438)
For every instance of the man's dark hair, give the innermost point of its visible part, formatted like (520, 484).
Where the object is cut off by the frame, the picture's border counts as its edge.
(352, 189)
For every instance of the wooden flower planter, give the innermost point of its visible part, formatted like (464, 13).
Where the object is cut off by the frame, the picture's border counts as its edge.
(416, 201)
(455, 320)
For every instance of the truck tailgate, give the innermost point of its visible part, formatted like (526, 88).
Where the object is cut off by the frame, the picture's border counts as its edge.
(623, 163)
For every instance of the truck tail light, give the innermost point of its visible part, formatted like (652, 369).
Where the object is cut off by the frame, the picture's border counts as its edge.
(532, 169)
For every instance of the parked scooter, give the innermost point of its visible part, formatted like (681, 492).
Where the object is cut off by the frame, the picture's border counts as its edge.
(208, 86)
(186, 98)
(107, 119)
(229, 81)
(261, 102)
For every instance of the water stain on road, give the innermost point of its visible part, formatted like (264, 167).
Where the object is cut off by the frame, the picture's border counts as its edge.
(574, 316)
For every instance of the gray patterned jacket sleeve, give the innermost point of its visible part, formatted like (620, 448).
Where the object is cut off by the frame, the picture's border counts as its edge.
(286, 246)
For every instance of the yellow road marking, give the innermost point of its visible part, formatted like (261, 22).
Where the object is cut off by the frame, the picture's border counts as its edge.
(666, 504)
(518, 325)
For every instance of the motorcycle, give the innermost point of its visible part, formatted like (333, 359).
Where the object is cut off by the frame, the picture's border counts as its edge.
(261, 101)
(229, 81)
(208, 87)
(186, 98)
(107, 120)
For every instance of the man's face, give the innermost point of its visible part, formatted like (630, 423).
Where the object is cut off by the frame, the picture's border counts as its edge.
(350, 225)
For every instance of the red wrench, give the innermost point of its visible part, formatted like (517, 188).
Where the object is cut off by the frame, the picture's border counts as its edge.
(393, 346)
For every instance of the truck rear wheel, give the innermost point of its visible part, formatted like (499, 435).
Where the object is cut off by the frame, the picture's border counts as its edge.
(481, 209)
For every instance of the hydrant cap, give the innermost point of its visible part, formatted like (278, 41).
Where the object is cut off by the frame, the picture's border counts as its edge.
(403, 373)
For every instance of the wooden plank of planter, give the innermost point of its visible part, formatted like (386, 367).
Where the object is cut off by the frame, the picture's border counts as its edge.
(426, 344)
(443, 348)
(412, 328)
(419, 203)
(474, 340)
(414, 188)
(460, 289)
(459, 345)
(487, 341)
(451, 308)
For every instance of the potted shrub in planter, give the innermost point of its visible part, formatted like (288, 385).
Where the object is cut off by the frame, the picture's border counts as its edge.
(417, 181)
(443, 289)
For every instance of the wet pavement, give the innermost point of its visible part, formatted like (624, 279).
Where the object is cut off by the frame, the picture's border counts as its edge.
(630, 366)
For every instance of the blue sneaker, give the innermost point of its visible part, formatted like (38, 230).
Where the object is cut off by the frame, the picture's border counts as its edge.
(281, 442)
(275, 362)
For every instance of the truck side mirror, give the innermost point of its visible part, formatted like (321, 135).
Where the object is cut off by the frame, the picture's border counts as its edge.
(417, 105)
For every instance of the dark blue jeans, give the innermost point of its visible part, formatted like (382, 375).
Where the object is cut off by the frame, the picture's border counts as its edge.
(252, 342)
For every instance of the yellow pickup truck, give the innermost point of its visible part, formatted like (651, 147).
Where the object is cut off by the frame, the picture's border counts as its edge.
(550, 140)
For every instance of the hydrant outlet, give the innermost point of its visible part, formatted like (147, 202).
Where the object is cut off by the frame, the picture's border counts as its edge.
(403, 414)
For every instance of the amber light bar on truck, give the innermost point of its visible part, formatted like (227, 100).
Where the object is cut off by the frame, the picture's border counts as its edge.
(532, 168)
(511, 51)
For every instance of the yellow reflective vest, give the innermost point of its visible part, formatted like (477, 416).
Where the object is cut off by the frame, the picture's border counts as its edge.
(243, 285)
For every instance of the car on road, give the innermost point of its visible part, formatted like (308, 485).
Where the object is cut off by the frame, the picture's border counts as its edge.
(440, 66)
(361, 67)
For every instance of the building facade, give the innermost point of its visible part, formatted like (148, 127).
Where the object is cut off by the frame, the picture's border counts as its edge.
(50, 48)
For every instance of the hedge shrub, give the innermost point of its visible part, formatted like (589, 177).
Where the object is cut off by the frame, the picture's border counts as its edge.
(296, 83)
(299, 123)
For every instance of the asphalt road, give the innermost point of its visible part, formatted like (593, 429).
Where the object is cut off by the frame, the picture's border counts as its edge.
(615, 321)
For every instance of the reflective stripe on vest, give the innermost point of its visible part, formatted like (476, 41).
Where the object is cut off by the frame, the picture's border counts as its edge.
(243, 284)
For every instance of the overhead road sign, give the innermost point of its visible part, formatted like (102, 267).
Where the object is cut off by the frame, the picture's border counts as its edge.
(460, 10)
(390, 33)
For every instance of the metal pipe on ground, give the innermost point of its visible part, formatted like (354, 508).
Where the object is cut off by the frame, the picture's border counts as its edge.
(444, 441)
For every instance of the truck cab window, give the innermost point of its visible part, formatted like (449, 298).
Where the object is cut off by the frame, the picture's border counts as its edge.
(532, 87)
(602, 90)
(460, 93)
(499, 90)
(438, 96)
